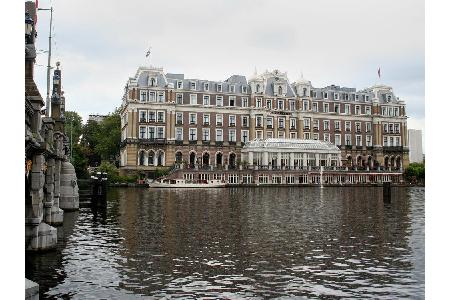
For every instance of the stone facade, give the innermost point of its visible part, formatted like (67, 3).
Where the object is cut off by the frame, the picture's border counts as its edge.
(45, 151)
(167, 119)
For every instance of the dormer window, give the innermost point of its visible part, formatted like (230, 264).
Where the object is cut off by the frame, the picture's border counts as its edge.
(206, 86)
(179, 84)
(193, 85)
(304, 91)
(152, 81)
(389, 98)
(258, 87)
(336, 96)
(232, 89)
(244, 89)
(280, 90)
(219, 87)
(325, 95)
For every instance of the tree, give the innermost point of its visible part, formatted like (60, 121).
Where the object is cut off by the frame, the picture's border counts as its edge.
(415, 171)
(108, 137)
(73, 126)
(89, 140)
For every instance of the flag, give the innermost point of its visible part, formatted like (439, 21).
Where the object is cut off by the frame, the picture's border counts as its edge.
(148, 52)
(379, 72)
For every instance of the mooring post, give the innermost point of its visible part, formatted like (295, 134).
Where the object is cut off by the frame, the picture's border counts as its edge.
(387, 192)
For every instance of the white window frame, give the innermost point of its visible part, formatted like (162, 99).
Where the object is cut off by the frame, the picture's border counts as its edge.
(219, 100)
(143, 129)
(192, 130)
(219, 87)
(206, 100)
(336, 95)
(337, 139)
(193, 85)
(229, 101)
(243, 135)
(177, 131)
(230, 136)
(221, 135)
(176, 98)
(229, 120)
(204, 136)
(192, 121)
(206, 116)
(326, 107)
(206, 86)
(179, 84)
(244, 101)
(219, 116)
(192, 99)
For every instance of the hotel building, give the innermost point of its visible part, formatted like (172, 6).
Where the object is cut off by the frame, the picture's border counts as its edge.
(168, 119)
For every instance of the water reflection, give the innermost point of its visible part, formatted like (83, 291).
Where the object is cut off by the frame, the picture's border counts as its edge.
(245, 242)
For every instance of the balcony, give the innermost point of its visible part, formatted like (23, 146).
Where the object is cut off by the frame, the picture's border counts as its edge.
(158, 141)
(348, 147)
(219, 143)
(206, 142)
(393, 148)
(359, 147)
(192, 142)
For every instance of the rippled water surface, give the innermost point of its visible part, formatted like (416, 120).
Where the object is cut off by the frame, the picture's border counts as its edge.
(236, 243)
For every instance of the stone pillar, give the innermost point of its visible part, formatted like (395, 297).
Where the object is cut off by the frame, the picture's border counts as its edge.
(252, 133)
(69, 199)
(317, 160)
(279, 159)
(49, 189)
(265, 159)
(328, 160)
(250, 158)
(57, 214)
(305, 160)
(291, 160)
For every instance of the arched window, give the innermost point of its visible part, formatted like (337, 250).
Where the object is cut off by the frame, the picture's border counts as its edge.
(152, 81)
(205, 159)
(178, 157)
(304, 91)
(192, 159)
(219, 158)
(160, 158)
(280, 90)
(151, 158)
(232, 160)
(257, 88)
(141, 158)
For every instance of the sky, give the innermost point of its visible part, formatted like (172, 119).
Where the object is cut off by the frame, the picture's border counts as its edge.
(100, 44)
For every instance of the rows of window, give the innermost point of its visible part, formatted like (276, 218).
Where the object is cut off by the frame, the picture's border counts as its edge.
(336, 108)
(152, 116)
(152, 132)
(348, 139)
(194, 135)
(391, 128)
(339, 96)
(392, 141)
(208, 86)
(152, 96)
(325, 125)
(390, 111)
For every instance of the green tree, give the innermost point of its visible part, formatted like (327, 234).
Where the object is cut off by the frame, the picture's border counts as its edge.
(73, 126)
(415, 171)
(89, 140)
(80, 161)
(108, 137)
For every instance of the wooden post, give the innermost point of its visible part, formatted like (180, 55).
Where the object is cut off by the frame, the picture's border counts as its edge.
(387, 192)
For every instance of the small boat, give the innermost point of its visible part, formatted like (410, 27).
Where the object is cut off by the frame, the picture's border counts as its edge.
(181, 183)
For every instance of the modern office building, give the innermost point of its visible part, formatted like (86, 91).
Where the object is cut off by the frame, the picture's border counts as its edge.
(415, 145)
(167, 119)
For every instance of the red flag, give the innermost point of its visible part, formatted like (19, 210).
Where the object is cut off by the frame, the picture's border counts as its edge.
(379, 73)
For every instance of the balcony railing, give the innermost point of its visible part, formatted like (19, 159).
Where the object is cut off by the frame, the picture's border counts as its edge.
(393, 148)
(192, 142)
(159, 141)
(219, 143)
(348, 147)
(206, 142)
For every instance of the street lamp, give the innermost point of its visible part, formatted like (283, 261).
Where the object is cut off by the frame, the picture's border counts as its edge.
(28, 28)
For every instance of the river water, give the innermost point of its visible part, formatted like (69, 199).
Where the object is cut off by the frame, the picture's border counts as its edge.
(234, 243)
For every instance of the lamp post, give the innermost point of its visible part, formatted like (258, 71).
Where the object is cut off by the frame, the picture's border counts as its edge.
(47, 100)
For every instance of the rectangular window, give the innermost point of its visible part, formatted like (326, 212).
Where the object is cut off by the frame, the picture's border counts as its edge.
(160, 132)
(142, 132)
(179, 133)
(358, 140)
(383, 111)
(315, 107)
(368, 140)
(219, 100)
(269, 134)
(205, 134)
(192, 118)
(205, 119)
(368, 110)
(337, 108)
(281, 134)
(316, 124)
(293, 123)
(336, 96)
(259, 134)
(281, 122)
(179, 98)
(152, 96)
(232, 120)
(337, 139)
(385, 141)
(179, 84)
(232, 135)
(269, 103)
(326, 137)
(292, 105)
(151, 116)
(219, 87)
(143, 97)
(316, 136)
(397, 141)
(161, 97)
(269, 121)
(368, 127)
(325, 95)
(280, 105)
(151, 132)
(206, 86)
(385, 128)
(326, 125)
(206, 100)
(258, 102)
(358, 126)
(192, 134)
(347, 109)
(348, 126)
(337, 125)
(193, 85)
(348, 139)
(244, 89)
(244, 134)
(397, 128)
(219, 120)
(259, 121)
(305, 105)
(326, 107)
(396, 112)
(193, 99)
(232, 100)
(245, 122)
(161, 116)
(293, 135)
(219, 135)
(357, 110)
(306, 123)
(142, 116)
(244, 102)
(232, 89)
(307, 135)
